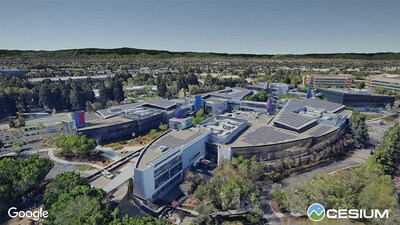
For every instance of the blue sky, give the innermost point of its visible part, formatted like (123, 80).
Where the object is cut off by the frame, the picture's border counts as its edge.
(261, 27)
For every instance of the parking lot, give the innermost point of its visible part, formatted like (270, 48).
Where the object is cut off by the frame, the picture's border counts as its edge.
(31, 139)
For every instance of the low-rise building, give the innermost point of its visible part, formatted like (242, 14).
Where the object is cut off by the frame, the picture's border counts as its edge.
(339, 81)
(386, 81)
(362, 100)
(129, 123)
(160, 166)
(180, 123)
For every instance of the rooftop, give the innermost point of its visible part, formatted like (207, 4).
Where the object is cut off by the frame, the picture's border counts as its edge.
(352, 91)
(261, 134)
(105, 123)
(222, 126)
(161, 103)
(291, 114)
(386, 77)
(215, 100)
(165, 144)
(230, 93)
(156, 103)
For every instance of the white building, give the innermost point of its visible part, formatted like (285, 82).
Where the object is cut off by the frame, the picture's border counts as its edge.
(161, 165)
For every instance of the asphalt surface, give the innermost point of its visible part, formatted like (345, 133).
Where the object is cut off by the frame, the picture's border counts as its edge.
(31, 142)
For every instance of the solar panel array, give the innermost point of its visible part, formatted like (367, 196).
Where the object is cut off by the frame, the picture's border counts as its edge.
(264, 135)
(162, 103)
(290, 119)
(320, 130)
(319, 104)
(294, 120)
(108, 112)
(234, 93)
(89, 116)
(293, 104)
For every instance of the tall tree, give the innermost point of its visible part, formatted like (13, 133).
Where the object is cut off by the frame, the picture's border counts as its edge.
(359, 128)
(161, 87)
(75, 97)
(388, 152)
(118, 91)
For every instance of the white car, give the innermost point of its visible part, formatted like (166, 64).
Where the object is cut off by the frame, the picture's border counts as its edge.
(107, 174)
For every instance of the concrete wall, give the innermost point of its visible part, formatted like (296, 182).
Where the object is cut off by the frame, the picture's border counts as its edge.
(143, 184)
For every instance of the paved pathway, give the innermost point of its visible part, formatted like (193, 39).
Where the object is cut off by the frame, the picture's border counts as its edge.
(358, 157)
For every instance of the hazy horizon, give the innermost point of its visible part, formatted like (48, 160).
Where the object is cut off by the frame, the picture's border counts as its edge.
(240, 53)
(234, 27)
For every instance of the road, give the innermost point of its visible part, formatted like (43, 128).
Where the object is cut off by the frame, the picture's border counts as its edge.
(356, 158)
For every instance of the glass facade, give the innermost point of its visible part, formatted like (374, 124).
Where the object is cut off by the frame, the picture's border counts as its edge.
(167, 171)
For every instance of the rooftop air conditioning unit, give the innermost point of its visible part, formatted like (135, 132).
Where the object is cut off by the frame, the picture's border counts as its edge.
(162, 148)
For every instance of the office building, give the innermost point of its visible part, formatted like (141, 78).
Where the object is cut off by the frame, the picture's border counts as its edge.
(363, 100)
(161, 165)
(180, 123)
(292, 132)
(129, 123)
(387, 81)
(339, 81)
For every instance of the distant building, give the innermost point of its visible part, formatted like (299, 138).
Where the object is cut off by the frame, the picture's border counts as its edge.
(216, 106)
(390, 82)
(12, 72)
(276, 88)
(339, 81)
(141, 89)
(180, 123)
(128, 123)
(362, 100)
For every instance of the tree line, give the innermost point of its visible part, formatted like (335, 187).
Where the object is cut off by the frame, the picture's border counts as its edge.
(69, 95)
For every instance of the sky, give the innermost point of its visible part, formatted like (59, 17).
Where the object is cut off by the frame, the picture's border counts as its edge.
(229, 26)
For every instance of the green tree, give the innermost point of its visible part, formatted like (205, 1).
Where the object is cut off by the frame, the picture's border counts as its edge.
(294, 78)
(280, 197)
(75, 144)
(76, 100)
(63, 182)
(80, 204)
(359, 128)
(199, 117)
(387, 153)
(360, 85)
(161, 87)
(17, 147)
(378, 194)
(163, 127)
(118, 92)
(18, 175)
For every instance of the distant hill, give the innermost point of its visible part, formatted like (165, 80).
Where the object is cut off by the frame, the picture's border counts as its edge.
(143, 53)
